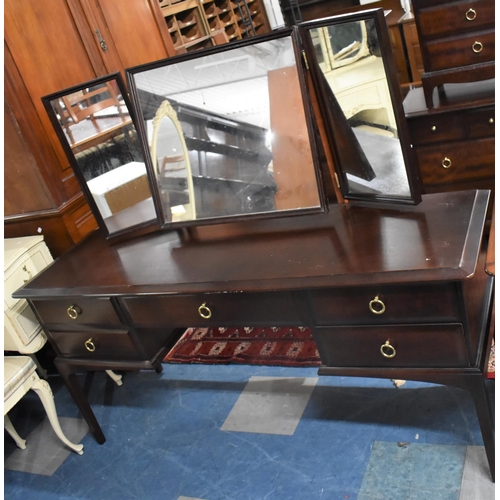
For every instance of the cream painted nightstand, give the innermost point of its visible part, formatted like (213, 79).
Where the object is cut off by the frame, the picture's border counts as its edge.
(24, 258)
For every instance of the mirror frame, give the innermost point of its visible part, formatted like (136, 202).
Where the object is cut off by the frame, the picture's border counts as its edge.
(337, 127)
(309, 119)
(47, 100)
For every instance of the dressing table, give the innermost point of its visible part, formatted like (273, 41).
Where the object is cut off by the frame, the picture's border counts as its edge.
(396, 293)
(392, 285)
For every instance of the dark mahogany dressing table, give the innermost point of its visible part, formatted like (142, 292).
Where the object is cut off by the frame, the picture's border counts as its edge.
(397, 293)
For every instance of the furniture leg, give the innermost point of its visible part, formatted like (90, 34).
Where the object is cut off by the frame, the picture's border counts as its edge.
(42, 388)
(21, 443)
(115, 377)
(484, 414)
(76, 391)
(39, 368)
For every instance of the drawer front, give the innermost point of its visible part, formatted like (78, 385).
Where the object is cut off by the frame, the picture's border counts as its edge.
(394, 304)
(28, 266)
(77, 311)
(446, 19)
(408, 346)
(455, 162)
(239, 309)
(96, 345)
(455, 52)
(481, 122)
(438, 128)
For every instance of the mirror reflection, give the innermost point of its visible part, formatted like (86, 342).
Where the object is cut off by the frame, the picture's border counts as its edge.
(350, 58)
(228, 133)
(104, 148)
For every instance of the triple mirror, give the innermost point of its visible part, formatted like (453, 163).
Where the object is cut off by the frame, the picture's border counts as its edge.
(228, 133)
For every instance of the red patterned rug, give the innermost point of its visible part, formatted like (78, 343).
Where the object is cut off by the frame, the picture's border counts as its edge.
(283, 346)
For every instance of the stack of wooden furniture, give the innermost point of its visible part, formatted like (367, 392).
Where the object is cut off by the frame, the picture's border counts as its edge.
(453, 127)
(457, 40)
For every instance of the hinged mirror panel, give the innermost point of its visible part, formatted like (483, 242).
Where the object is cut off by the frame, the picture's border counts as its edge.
(94, 124)
(354, 74)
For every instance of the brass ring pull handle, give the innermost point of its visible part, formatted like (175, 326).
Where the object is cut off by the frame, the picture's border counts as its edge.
(446, 163)
(73, 311)
(387, 350)
(477, 47)
(470, 15)
(89, 345)
(204, 311)
(433, 128)
(376, 306)
(491, 121)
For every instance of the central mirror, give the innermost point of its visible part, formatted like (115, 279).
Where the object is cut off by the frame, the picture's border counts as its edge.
(229, 132)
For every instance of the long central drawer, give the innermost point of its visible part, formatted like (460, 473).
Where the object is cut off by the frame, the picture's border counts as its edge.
(219, 309)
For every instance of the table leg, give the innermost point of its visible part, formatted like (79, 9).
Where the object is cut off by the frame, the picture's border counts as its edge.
(76, 391)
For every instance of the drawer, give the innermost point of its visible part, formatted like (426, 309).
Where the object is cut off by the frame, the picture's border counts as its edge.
(78, 311)
(98, 344)
(460, 51)
(21, 329)
(238, 309)
(400, 304)
(481, 122)
(28, 266)
(455, 162)
(453, 17)
(411, 346)
(437, 128)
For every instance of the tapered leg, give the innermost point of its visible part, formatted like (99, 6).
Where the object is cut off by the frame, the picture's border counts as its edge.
(21, 443)
(115, 377)
(42, 388)
(484, 415)
(76, 391)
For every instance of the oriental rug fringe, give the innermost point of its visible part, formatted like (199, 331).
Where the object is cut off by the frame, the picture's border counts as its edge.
(283, 346)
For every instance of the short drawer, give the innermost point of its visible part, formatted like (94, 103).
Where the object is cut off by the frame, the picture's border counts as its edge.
(411, 346)
(481, 122)
(455, 16)
(437, 128)
(455, 162)
(456, 52)
(239, 309)
(386, 304)
(77, 311)
(28, 266)
(98, 344)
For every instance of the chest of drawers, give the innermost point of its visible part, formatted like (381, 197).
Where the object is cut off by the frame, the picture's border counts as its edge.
(454, 141)
(457, 39)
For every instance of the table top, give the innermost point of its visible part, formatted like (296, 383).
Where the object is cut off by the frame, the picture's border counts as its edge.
(351, 245)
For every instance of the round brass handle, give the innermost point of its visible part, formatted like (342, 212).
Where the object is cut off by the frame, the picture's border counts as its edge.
(73, 311)
(477, 47)
(204, 311)
(470, 15)
(89, 345)
(387, 350)
(491, 121)
(446, 163)
(433, 128)
(376, 306)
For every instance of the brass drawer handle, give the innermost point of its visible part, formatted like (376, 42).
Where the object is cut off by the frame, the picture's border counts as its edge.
(470, 15)
(446, 163)
(477, 47)
(491, 121)
(204, 311)
(387, 350)
(89, 345)
(73, 311)
(376, 306)
(26, 270)
(433, 128)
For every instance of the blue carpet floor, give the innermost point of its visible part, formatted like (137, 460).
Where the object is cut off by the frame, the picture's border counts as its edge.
(237, 432)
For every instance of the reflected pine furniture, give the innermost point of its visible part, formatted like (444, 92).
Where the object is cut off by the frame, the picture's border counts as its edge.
(396, 293)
